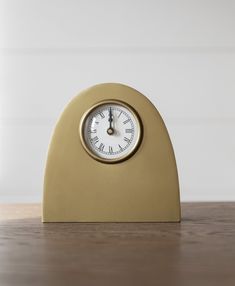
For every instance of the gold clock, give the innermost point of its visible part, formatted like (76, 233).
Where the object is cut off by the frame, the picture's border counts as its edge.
(110, 160)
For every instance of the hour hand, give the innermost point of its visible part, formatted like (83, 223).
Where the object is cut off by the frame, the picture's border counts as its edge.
(110, 130)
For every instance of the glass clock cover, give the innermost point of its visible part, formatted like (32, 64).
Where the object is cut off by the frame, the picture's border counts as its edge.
(111, 131)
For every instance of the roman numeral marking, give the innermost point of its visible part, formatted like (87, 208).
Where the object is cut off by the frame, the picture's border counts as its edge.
(129, 130)
(125, 122)
(127, 140)
(102, 115)
(110, 149)
(119, 114)
(92, 131)
(120, 147)
(101, 147)
(95, 140)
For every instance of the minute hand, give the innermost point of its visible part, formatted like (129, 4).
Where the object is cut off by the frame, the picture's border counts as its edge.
(110, 118)
(110, 130)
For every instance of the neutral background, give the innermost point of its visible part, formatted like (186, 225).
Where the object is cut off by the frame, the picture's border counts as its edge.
(180, 54)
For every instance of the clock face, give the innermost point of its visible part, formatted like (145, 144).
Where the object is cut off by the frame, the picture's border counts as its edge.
(111, 131)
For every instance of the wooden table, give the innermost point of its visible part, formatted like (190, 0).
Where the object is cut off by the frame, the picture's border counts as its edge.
(198, 251)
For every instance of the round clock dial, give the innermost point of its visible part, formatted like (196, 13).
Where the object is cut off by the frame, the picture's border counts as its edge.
(111, 131)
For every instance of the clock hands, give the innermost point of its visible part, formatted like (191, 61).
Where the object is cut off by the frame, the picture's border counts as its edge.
(110, 117)
(110, 130)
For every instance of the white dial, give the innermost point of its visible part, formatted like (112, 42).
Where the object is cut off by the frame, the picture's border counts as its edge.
(111, 131)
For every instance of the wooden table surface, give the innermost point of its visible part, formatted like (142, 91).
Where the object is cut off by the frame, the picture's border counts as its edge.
(198, 251)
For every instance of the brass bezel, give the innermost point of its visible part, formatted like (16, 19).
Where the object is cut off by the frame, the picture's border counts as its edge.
(135, 147)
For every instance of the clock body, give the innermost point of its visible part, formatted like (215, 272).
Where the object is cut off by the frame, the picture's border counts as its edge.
(110, 159)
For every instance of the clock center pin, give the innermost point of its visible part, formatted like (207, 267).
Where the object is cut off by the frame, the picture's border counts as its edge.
(110, 131)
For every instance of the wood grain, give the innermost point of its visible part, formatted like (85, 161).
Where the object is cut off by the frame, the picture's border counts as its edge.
(199, 251)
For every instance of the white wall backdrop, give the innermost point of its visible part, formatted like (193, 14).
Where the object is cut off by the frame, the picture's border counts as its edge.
(180, 54)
